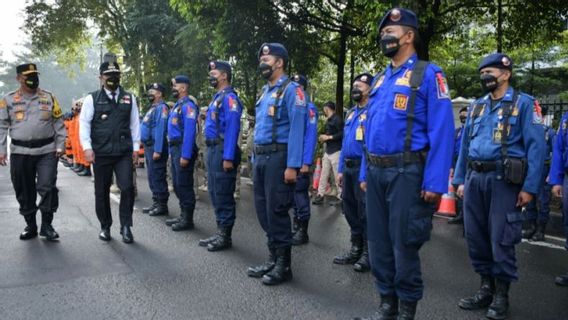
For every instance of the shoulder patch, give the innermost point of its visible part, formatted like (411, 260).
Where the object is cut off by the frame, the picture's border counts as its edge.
(300, 97)
(3, 103)
(537, 113)
(442, 86)
(233, 105)
(191, 114)
(57, 113)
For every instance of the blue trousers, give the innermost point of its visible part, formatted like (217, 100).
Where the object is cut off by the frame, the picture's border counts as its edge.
(302, 207)
(182, 179)
(354, 202)
(157, 174)
(221, 185)
(493, 224)
(539, 208)
(273, 198)
(399, 222)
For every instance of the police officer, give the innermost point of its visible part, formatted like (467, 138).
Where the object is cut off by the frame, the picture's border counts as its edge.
(406, 167)
(301, 193)
(499, 171)
(222, 127)
(109, 131)
(538, 210)
(348, 175)
(34, 120)
(153, 135)
(458, 219)
(279, 139)
(182, 129)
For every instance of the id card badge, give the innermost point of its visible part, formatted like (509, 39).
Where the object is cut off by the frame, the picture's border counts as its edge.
(271, 111)
(359, 133)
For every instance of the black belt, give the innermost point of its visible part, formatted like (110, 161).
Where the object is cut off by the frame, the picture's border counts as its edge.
(270, 148)
(484, 166)
(395, 160)
(353, 163)
(33, 143)
(213, 142)
(174, 143)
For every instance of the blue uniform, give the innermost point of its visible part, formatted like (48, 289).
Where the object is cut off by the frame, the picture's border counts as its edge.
(559, 167)
(154, 137)
(350, 166)
(539, 208)
(182, 125)
(457, 142)
(278, 146)
(399, 221)
(301, 194)
(222, 126)
(492, 221)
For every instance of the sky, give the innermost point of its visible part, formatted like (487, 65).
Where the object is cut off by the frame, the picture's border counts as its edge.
(11, 37)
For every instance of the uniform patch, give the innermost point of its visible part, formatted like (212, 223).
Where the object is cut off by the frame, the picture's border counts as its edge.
(379, 82)
(165, 112)
(300, 98)
(125, 99)
(191, 114)
(405, 79)
(3, 104)
(312, 116)
(362, 117)
(537, 113)
(233, 105)
(497, 135)
(174, 121)
(57, 113)
(442, 86)
(400, 102)
(20, 115)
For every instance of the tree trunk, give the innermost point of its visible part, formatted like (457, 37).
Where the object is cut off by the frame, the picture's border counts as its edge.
(499, 25)
(340, 72)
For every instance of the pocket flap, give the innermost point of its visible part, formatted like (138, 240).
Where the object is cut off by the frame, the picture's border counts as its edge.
(514, 217)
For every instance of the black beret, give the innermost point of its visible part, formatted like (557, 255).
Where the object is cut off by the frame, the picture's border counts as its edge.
(496, 60)
(399, 17)
(182, 79)
(220, 65)
(273, 49)
(157, 86)
(364, 77)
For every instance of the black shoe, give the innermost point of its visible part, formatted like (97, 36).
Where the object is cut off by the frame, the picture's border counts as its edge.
(86, 172)
(28, 233)
(407, 310)
(530, 230)
(171, 222)
(223, 241)
(150, 208)
(500, 306)
(301, 235)
(206, 241)
(282, 270)
(185, 222)
(160, 210)
(353, 255)
(482, 298)
(318, 200)
(48, 232)
(562, 280)
(260, 270)
(76, 168)
(127, 236)
(363, 265)
(540, 232)
(105, 234)
(388, 309)
(458, 219)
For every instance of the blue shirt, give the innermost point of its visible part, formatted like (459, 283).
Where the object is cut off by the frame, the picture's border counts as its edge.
(549, 135)
(290, 116)
(481, 139)
(433, 127)
(224, 121)
(352, 145)
(154, 125)
(457, 142)
(182, 125)
(559, 163)
(311, 134)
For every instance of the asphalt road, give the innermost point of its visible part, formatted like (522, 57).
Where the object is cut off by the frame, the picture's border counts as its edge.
(166, 275)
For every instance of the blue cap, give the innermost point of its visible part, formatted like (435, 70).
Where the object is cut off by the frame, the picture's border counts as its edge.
(157, 86)
(301, 80)
(399, 17)
(273, 49)
(181, 79)
(220, 65)
(496, 60)
(364, 77)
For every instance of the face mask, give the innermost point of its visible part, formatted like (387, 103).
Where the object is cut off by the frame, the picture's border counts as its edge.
(175, 93)
(265, 70)
(356, 95)
(151, 98)
(113, 82)
(213, 82)
(489, 83)
(389, 45)
(32, 81)
(462, 119)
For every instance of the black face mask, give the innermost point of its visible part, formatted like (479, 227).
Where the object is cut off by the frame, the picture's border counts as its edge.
(151, 98)
(175, 93)
(389, 45)
(356, 95)
(462, 119)
(265, 70)
(213, 82)
(488, 83)
(32, 81)
(113, 82)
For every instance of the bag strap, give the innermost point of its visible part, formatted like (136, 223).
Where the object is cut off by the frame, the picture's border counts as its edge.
(218, 104)
(279, 94)
(415, 82)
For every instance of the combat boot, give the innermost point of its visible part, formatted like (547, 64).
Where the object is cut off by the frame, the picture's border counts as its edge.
(30, 231)
(76, 167)
(540, 231)
(458, 219)
(282, 270)
(301, 235)
(295, 225)
(151, 207)
(262, 269)
(86, 172)
(407, 310)
(530, 230)
(161, 209)
(354, 254)
(318, 200)
(482, 298)
(186, 221)
(363, 265)
(47, 230)
(171, 222)
(388, 310)
(223, 241)
(500, 306)
(206, 241)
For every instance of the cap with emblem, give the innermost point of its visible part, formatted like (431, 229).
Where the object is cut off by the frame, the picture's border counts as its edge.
(364, 77)
(109, 67)
(399, 17)
(273, 49)
(181, 79)
(26, 69)
(220, 65)
(301, 80)
(157, 86)
(496, 60)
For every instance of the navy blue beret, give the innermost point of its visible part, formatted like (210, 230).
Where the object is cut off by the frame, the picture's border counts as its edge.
(157, 86)
(399, 17)
(220, 65)
(273, 49)
(182, 79)
(301, 80)
(497, 60)
(364, 77)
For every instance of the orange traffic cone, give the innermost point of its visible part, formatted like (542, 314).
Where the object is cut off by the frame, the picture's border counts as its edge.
(448, 202)
(317, 174)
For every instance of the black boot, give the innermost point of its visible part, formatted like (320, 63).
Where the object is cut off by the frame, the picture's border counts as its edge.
(282, 270)
(185, 222)
(47, 230)
(562, 280)
(223, 241)
(161, 209)
(482, 298)
(500, 306)
(530, 230)
(76, 167)
(301, 235)
(30, 231)
(127, 236)
(318, 200)
(388, 309)
(363, 265)
(295, 225)
(354, 254)
(206, 241)
(407, 310)
(151, 207)
(172, 221)
(540, 231)
(262, 269)
(86, 172)
(458, 219)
